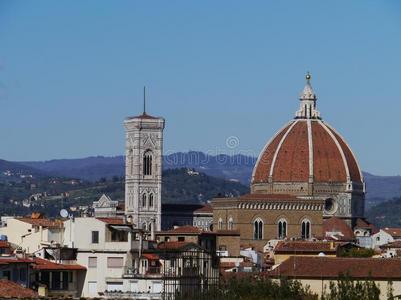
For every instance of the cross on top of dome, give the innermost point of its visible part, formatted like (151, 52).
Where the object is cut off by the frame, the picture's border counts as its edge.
(308, 102)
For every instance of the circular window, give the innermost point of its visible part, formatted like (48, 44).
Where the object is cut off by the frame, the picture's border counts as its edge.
(330, 206)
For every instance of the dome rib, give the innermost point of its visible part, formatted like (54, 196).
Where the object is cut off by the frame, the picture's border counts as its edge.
(338, 147)
(355, 172)
(279, 148)
(262, 166)
(328, 164)
(292, 161)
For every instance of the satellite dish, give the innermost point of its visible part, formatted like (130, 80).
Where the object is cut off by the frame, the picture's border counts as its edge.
(64, 213)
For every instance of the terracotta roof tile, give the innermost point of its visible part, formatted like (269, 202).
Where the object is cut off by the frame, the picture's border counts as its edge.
(207, 208)
(173, 245)
(187, 229)
(43, 222)
(335, 224)
(4, 244)
(393, 231)
(10, 289)
(14, 260)
(150, 256)
(332, 267)
(113, 221)
(395, 244)
(44, 264)
(305, 246)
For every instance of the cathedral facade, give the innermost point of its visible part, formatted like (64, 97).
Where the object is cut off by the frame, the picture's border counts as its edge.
(306, 172)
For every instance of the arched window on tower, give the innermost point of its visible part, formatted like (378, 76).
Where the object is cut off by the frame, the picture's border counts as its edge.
(220, 224)
(230, 224)
(147, 163)
(143, 200)
(306, 229)
(150, 200)
(131, 161)
(282, 228)
(258, 229)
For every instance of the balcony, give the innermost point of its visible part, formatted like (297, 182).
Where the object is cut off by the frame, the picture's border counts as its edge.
(151, 272)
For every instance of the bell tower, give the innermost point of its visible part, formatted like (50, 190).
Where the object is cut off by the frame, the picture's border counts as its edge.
(143, 169)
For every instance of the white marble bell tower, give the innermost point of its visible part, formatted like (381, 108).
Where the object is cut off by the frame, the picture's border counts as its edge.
(143, 169)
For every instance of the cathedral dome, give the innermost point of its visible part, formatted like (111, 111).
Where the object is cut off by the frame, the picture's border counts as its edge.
(308, 157)
(307, 150)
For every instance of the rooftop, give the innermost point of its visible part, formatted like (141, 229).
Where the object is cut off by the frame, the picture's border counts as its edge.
(44, 264)
(332, 267)
(187, 229)
(42, 222)
(207, 208)
(10, 289)
(174, 245)
(305, 246)
(112, 221)
(393, 231)
(340, 227)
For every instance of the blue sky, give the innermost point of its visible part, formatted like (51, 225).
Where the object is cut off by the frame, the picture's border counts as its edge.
(71, 71)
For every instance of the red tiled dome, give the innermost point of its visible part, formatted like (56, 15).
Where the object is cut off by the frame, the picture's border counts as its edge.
(307, 150)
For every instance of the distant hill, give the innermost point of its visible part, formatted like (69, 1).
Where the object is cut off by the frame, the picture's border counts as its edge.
(179, 186)
(386, 214)
(236, 167)
(187, 186)
(89, 168)
(13, 170)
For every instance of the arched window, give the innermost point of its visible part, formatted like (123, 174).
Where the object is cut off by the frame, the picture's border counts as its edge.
(143, 200)
(131, 161)
(306, 229)
(282, 228)
(150, 226)
(151, 200)
(220, 225)
(144, 226)
(147, 163)
(230, 224)
(258, 229)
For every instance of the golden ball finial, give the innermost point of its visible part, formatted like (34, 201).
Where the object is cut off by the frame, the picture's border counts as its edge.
(308, 77)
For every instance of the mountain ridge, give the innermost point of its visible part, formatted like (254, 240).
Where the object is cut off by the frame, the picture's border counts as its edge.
(231, 167)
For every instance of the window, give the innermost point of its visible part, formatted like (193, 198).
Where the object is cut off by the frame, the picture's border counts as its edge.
(150, 226)
(115, 262)
(181, 238)
(119, 236)
(22, 274)
(282, 228)
(147, 163)
(306, 229)
(56, 280)
(92, 262)
(220, 225)
(144, 227)
(258, 229)
(230, 224)
(151, 200)
(95, 237)
(143, 200)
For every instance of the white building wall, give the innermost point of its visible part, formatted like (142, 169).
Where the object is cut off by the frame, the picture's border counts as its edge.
(30, 238)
